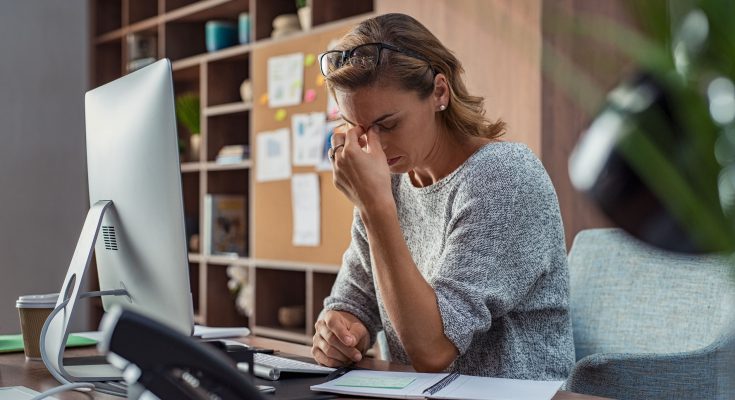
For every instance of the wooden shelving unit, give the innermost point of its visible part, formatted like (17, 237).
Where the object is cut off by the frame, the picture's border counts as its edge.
(225, 120)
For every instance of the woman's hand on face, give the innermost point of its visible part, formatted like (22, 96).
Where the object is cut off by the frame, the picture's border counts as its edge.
(340, 339)
(360, 168)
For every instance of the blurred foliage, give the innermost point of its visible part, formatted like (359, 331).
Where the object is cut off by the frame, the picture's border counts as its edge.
(670, 126)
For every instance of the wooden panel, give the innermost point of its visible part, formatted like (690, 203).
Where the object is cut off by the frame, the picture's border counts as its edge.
(499, 45)
(324, 11)
(108, 15)
(272, 200)
(563, 108)
(321, 287)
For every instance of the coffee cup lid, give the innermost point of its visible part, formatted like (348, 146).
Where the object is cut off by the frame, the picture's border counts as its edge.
(37, 301)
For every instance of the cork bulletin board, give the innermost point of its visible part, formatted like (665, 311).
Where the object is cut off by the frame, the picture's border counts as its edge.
(271, 201)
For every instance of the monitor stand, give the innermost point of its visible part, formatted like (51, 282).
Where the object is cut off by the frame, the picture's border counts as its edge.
(56, 328)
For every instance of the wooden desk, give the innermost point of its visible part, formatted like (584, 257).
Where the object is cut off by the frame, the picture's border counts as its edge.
(16, 371)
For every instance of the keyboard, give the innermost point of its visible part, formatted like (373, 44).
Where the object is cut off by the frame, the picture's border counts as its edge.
(270, 367)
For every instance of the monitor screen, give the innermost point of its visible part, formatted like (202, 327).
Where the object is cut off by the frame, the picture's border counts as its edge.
(133, 160)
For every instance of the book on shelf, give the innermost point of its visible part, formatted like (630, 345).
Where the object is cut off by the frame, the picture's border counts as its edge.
(233, 154)
(225, 225)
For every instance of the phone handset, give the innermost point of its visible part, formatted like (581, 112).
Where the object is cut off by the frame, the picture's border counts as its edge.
(167, 363)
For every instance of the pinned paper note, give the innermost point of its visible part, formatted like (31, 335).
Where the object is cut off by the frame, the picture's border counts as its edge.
(332, 108)
(308, 138)
(280, 115)
(326, 164)
(263, 99)
(377, 382)
(306, 214)
(310, 96)
(285, 80)
(273, 161)
(319, 80)
(309, 60)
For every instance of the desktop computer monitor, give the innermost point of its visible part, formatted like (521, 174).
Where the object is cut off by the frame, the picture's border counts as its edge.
(136, 220)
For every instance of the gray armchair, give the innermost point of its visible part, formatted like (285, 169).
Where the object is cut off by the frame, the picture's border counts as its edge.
(649, 324)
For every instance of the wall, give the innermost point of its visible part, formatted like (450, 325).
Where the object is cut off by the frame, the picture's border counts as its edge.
(499, 45)
(43, 190)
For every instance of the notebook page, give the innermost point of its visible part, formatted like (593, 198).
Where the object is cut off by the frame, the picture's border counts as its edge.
(413, 390)
(477, 387)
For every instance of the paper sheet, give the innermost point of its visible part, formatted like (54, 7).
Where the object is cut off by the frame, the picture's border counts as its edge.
(285, 80)
(325, 164)
(306, 203)
(308, 137)
(273, 161)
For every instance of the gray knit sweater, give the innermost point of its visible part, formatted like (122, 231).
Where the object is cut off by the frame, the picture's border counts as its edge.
(489, 239)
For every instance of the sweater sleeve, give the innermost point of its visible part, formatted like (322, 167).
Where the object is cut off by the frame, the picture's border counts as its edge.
(354, 289)
(494, 253)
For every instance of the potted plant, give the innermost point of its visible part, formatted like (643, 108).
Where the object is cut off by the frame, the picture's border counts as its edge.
(187, 113)
(304, 10)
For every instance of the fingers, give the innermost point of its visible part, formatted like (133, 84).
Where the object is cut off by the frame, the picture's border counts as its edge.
(323, 359)
(373, 142)
(331, 344)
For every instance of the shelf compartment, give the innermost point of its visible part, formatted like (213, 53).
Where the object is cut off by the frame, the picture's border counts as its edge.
(108, 62)
(228, 182)
(184, 39)
(226, 129)
(139, 10)
(220, 304)
(108, 16)
(190, 188)
(291, 289)
(266, 11)
(224, 79)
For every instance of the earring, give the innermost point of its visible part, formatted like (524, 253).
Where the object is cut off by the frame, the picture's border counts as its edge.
(442, 107)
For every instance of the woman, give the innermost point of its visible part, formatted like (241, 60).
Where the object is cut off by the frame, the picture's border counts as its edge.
(457, 248)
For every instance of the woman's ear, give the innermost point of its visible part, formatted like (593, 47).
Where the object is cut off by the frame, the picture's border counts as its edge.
(441, 92)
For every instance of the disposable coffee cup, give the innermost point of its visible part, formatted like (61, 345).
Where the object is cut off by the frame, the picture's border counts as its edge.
(33, 311)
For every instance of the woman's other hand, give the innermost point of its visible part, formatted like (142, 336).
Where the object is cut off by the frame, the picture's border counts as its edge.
(340, 339)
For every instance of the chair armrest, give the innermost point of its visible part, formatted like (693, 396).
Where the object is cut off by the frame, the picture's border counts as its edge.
(687, 375)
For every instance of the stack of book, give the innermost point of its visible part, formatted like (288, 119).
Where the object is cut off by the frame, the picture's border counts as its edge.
(233, 154)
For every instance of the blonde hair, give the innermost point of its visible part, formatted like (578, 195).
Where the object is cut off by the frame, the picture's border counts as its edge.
(464, 115)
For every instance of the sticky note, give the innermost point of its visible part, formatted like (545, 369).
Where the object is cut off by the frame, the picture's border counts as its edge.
(309, 60)
(320, 80)
(375, 382)
(263, 99)
(280, 114)
(310, 95)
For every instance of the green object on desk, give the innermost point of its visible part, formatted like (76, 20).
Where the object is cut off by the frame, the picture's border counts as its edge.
(381, 383)
(14, 343)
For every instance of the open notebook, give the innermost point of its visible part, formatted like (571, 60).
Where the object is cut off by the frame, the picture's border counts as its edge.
(415, 385)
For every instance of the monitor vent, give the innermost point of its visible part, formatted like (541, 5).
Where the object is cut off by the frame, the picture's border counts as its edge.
(108, 234)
